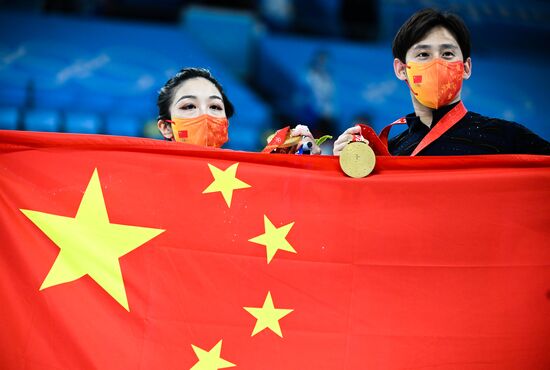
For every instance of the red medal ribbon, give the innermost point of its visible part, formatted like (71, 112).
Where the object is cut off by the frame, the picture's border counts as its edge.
(380, 144)
(448, 121)
(278, 139)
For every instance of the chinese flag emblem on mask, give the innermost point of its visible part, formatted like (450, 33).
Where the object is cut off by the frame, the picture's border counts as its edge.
(436, 83)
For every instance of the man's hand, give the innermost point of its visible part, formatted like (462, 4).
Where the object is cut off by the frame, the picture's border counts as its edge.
(345, 138)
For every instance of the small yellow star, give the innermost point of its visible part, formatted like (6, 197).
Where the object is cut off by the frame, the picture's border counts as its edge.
(268, 316)
(274, 238)
(89, 244)
(225, 182)
(210, 360)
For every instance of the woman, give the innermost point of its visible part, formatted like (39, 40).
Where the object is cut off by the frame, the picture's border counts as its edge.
(194, 109)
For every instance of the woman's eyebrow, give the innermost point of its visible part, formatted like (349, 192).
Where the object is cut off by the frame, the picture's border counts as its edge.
(215, 97)
(186, 96)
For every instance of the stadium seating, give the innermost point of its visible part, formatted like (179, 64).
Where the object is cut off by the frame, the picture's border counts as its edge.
(57, 66)
(9, 118)
(240, 32)
(365, 84)
(122, 125)
(84, 123)
(55, 69)
(14, 84)
(494, 24)
(42, 120)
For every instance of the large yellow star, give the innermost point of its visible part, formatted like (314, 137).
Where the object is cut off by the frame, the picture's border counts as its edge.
(274, 238)
(268, 316)
(90, 244)
(225, 181)
(210, 360)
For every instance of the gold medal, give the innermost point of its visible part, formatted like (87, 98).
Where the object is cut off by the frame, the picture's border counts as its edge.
(357, 159)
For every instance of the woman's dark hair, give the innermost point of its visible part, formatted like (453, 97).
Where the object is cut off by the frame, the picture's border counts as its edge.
(166, 94)
(421, 22)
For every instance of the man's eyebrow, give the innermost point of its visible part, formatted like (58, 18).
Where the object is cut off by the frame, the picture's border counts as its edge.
(448, 46)
(187, 96)
(442, 46)
(422, 46)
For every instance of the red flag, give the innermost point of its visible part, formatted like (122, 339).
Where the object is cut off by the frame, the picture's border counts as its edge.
(127, 253)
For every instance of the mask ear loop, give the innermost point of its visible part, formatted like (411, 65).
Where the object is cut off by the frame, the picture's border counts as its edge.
(171, 123)
(408, 84)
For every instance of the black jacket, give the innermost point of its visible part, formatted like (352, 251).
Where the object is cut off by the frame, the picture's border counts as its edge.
(473, 134)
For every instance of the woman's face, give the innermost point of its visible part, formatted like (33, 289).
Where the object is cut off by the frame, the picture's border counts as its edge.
(195, 97)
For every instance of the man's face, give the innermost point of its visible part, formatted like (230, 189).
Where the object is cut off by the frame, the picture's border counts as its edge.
(438, 43)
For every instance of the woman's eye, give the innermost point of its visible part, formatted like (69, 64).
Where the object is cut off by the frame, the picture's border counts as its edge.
(448, 54)
(188, 106)
(216, 107)
(422, 55)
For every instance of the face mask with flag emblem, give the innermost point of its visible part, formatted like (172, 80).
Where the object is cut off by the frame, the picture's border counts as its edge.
(204, 130)
(436, 83)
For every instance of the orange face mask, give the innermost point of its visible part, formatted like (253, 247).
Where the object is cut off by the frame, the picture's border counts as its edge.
(204, 130)
(436, 83)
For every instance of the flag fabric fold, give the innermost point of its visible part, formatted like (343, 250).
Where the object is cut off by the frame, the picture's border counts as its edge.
(128, 253)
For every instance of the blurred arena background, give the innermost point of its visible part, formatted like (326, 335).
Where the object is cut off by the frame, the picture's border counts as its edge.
(95, 66)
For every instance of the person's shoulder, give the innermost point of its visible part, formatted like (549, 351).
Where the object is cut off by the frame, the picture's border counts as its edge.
(486, 121)
(515, 137)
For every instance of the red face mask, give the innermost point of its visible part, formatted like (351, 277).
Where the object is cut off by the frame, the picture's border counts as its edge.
(436, 83)
(204, 130)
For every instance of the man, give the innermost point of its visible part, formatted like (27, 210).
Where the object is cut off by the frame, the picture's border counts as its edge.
(432, 55)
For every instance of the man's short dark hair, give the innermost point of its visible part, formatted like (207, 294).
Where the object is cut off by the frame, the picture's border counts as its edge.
(423, 21)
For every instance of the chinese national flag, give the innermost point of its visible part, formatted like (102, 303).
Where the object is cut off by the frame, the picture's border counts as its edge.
(127, 253)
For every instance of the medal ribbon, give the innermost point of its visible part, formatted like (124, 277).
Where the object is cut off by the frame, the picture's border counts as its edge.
(380, 143)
